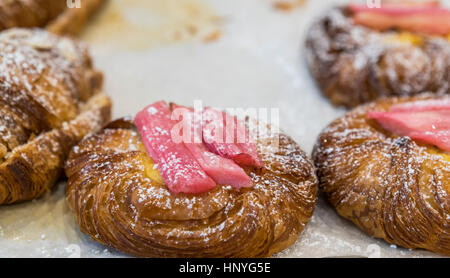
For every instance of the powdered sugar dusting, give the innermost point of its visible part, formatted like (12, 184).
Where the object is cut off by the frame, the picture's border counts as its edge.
(41, 86)
(223, 215)
(354, 64)
(389, 186)
(48, 102)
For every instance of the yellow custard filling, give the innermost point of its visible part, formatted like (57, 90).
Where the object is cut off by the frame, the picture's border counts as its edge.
(435, 151)
(408, 38)
(150, 168)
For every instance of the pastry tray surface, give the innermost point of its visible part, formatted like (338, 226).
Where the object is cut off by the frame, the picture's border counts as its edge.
(229, 53)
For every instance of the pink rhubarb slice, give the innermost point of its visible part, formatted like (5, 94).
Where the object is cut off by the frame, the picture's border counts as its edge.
(222, 170)
(178, 168)
(423, 121)
(224, 135)
(247, 145)
(426, 19)
(423, 105)
(396, 8)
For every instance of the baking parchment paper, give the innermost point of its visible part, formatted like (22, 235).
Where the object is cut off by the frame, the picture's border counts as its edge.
(227, 53)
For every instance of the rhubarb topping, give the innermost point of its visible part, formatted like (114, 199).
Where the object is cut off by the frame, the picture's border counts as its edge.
(395, 7)
(190, 161)
(426, 18)
(422, 106)
(424, 121)
(226, 136)
(221, 170)
(179, 169)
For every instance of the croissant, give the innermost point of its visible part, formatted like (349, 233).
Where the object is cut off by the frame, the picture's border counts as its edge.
(50, 98)
(390, 186)
(120, 200)
(354, 64)
(56, 15)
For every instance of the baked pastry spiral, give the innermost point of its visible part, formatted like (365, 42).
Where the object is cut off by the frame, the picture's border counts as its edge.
(353, 64)
(119, 200)
(54, 14)
(390, 186)
(49, 100)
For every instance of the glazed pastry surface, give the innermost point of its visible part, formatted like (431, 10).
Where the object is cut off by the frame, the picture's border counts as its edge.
(390, 186)
(120, 200)
(49, 100)
(54, 14)
(353, 64)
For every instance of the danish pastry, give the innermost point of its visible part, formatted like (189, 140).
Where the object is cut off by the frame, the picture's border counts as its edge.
(50, 98)
(57, 15)
(134, 188)
(385, 166)
(357, 54)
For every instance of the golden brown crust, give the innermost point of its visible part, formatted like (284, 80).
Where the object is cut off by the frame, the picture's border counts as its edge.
(33, 168)
(48, 91)
(26, 13)
(353, 64)
(72, 21)
(55, 14)
(116, 203)
(389, 186)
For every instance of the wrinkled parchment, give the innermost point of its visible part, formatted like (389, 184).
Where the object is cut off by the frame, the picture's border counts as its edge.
(233, 53)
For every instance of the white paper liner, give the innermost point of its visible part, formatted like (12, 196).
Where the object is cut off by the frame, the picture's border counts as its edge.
(256, 61)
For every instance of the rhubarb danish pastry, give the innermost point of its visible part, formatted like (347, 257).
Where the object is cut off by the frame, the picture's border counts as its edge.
(135, 187)
(386, 167)
(60, 16)
(358, 54)
(50, 98)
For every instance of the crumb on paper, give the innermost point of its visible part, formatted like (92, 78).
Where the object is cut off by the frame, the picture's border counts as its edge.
(213, 36)
(286, 5)
(122, 25)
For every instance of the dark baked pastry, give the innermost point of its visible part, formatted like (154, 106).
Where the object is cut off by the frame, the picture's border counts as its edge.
(120, 199)
(54, 14)
(391, 186)
(354, 64)
(50, 98)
